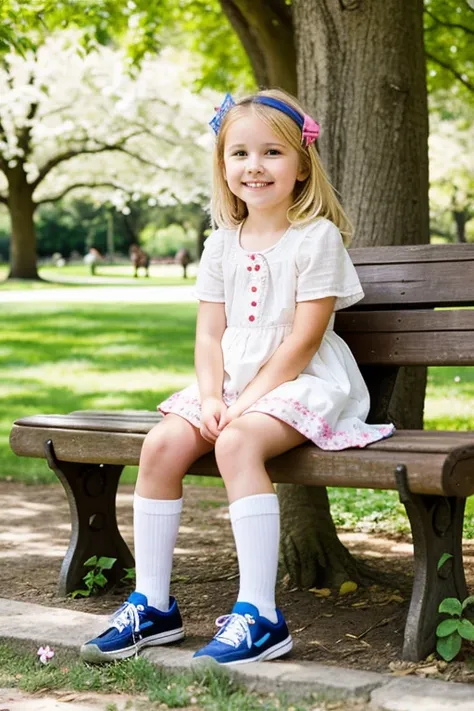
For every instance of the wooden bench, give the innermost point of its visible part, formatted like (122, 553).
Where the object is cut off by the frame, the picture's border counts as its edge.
(395, 325)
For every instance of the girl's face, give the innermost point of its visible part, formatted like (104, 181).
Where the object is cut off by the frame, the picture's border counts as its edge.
(259, 167)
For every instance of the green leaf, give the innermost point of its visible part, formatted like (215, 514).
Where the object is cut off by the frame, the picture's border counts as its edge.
(91, 562)
(466, 630)
(106, 563)
(451, 606)
(468, 601)
(82, 593)
(443, 559)
(448, 647)
(447, 627)
(100, 580)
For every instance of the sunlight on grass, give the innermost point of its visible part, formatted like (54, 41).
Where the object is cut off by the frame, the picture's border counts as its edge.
(106, 275)
(56, 359)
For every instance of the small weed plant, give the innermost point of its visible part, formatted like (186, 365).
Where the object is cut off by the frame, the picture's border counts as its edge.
(452, 631)
(94, 579)
(130, 575)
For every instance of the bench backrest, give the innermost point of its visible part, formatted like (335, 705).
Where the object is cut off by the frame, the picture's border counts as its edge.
(396, 323)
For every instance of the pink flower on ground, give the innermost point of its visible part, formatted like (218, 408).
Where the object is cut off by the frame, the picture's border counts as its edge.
(45, 654)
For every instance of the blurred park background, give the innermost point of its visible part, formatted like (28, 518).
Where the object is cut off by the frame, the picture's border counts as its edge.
(105, 144)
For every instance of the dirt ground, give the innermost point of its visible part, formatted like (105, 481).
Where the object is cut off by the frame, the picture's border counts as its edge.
(362, 630)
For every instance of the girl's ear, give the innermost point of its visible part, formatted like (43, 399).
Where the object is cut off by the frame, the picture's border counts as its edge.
(302, 174)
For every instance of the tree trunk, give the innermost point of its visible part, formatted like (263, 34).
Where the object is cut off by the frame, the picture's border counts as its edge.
(460, 218)
(23, 240)
(266, 32)
(203, 225)
(361, 73)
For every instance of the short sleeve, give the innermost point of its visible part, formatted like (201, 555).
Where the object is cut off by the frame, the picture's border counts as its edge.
(210, 278)
(325, 268)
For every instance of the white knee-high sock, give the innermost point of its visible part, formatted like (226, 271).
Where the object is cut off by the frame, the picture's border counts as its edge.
(256, 526)
(155, 527)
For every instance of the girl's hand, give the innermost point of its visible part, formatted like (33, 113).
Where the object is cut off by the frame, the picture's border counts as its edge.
(212, 412)
(231, 413)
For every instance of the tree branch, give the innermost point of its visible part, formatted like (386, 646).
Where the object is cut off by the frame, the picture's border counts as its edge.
(451, 25)
(73, 153)
(266, 33)
(452, 71)
(74, 186)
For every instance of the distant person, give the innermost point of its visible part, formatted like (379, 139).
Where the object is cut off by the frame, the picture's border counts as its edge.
(58, 260)
(183, 257)
(271, 375)
(92, 258)
(139, 258)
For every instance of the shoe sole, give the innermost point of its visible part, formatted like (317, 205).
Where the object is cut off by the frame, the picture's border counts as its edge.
(278, 650)
(92, 653)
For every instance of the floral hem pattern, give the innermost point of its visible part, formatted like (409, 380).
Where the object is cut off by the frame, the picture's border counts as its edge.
(351, 431)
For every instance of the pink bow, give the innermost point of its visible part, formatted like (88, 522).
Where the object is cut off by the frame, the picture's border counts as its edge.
(310, 130)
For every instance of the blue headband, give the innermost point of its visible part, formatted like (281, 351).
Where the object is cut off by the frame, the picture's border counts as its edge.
(308, 126)
(280, 106)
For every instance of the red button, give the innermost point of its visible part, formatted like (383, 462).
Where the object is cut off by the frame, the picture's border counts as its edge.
(257, 267)
(254, 303)
(254, 289)
(251, 318)
(249, 269)
(252, 256)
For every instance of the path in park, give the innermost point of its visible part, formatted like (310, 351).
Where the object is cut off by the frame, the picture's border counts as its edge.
(102, 295)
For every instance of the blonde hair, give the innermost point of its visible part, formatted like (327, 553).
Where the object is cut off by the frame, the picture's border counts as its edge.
(313, 197)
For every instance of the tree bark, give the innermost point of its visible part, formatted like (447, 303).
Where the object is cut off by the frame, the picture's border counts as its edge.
(460, 219)
(266, 32)
(23, 241)
(361, 73)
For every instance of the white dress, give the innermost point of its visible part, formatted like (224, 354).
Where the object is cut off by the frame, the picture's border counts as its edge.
(329, 401)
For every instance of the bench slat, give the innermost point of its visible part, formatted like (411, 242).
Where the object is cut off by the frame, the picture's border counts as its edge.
(372, 467)
(430, 284)
(401, 254)
(424, 348)
(404, 321)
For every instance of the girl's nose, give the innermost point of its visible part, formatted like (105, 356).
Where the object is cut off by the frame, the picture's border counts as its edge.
(254, 163)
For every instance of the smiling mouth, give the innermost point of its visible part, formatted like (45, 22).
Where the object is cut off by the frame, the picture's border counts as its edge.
(256, 184)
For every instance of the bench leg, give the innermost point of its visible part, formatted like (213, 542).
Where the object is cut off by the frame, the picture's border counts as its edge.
(436, 524)
(91, 491)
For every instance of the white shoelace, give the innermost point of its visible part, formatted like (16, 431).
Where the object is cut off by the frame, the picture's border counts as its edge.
(127, 616)
(235, 628)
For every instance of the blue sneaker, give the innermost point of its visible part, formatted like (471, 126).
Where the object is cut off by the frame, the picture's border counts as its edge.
(135, 625)
(245, 636)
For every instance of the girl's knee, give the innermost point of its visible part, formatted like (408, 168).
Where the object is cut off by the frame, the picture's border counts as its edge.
(234, 450)
(229, 443)
(167, 449)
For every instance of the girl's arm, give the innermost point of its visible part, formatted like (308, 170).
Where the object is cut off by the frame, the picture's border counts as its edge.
(209, 364)
(291, 357)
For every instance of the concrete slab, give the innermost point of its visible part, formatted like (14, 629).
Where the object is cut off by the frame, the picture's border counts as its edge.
(48, 625)
(15, 700)
(423, 695)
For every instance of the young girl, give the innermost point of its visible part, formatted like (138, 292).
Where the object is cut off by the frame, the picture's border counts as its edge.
(271, 374)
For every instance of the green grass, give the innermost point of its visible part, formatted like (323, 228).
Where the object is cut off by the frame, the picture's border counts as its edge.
(55, 359)
(206, 688)
(59, 358)
(106, 275)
